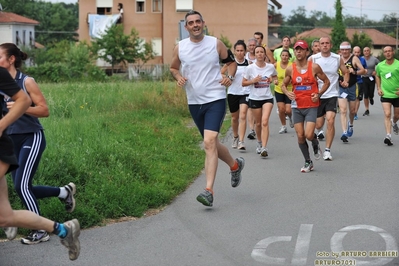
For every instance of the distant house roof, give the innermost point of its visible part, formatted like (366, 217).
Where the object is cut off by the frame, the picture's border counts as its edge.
(378, 37)
(12, 18)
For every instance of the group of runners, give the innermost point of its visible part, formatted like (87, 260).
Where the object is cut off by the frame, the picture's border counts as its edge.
(308, 89)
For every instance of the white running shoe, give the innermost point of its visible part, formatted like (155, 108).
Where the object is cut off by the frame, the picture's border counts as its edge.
(282, 130)
(327, 156)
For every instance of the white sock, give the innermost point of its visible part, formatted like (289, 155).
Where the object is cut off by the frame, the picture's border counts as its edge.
(63, 193)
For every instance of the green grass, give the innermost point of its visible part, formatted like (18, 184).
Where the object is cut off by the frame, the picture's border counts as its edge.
(127, 146)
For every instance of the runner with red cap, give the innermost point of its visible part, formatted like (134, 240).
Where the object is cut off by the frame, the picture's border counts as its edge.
(305, 97)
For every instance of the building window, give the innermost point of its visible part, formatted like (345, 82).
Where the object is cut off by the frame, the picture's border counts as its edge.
(140, 6)
(156, 5)
(157, 46)
(17, 38)
(184, 5)
(103, 10)
(31, 41)
(24, 37)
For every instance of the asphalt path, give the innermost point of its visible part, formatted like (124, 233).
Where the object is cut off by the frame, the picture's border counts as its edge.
(344, 212)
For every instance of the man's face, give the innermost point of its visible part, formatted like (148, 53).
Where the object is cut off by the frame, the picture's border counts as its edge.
(258, 39)
(195, 25)
(388, 53)
(316, 47)
(356, 51)
(286, 42)
(325, 45)
(366, 51)
(251, 47)
(300, 53)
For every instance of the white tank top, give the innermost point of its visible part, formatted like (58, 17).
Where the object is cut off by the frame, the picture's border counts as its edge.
(236, 87)
(200, 65)
(330, 66)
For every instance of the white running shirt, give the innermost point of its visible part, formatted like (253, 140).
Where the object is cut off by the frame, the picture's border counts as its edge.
(200, 66)
(330, 66)
(260, 90)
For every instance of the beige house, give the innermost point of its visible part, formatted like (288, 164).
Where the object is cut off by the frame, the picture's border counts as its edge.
(160, 21)
(17, 29)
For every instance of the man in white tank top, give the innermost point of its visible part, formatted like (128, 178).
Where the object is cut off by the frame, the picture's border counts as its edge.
(330, 63)
(196, 67)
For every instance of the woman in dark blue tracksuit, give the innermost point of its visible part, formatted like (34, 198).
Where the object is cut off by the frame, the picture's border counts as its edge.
(30, 142)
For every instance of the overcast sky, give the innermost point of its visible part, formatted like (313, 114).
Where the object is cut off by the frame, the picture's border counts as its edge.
(374, 9)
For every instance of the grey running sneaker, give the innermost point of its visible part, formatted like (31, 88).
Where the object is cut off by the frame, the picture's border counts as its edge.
(69, 201)
(388, 141)
(291, 122)
(327, 156)
(206, 198)
(263, 153)
(282, 130)
(241, 146)
(307, 167)
(35, 237)
(395, 127)
(236, 175)
(317, 151)
(252, 134)
(71, 241)
(235, 143)
(11, 232)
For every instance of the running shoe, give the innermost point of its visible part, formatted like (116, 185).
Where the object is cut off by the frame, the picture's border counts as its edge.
(71, 240)
(371, 101)
(252, 134)
(327, 156)
(236, 175)
(291, 122)
(35, 237)
(259, 147)
(356, 118)
(349, 133)
(317, 151)
(395, 127)
(206, 198)
(235, 143)
(263, 153)
(344, 138)
(11, 232)
(367, 112)
(241, 146)
(388, 141)
(320, 135)
(69, 201)
(307, 167)
(282, 130)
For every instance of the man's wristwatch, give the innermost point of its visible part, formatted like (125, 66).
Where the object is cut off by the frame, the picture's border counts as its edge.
(231, 77)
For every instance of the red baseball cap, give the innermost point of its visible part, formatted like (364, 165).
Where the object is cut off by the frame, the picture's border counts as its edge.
(302, 44)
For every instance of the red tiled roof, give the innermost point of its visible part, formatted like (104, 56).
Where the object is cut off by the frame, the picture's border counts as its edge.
(378, 37)
(8, 17)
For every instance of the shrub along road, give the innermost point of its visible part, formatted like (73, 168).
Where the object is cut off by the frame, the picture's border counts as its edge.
(277, 216)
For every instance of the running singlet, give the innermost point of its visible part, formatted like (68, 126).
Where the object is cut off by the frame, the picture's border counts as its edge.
(281, 76)
(304, 84)
(352, 77)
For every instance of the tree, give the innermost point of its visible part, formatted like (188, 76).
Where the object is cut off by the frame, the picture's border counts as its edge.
(338, 33)
(362, 40)
(114, 47)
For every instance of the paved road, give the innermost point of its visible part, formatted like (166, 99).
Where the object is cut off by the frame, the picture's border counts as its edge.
(277, 216)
